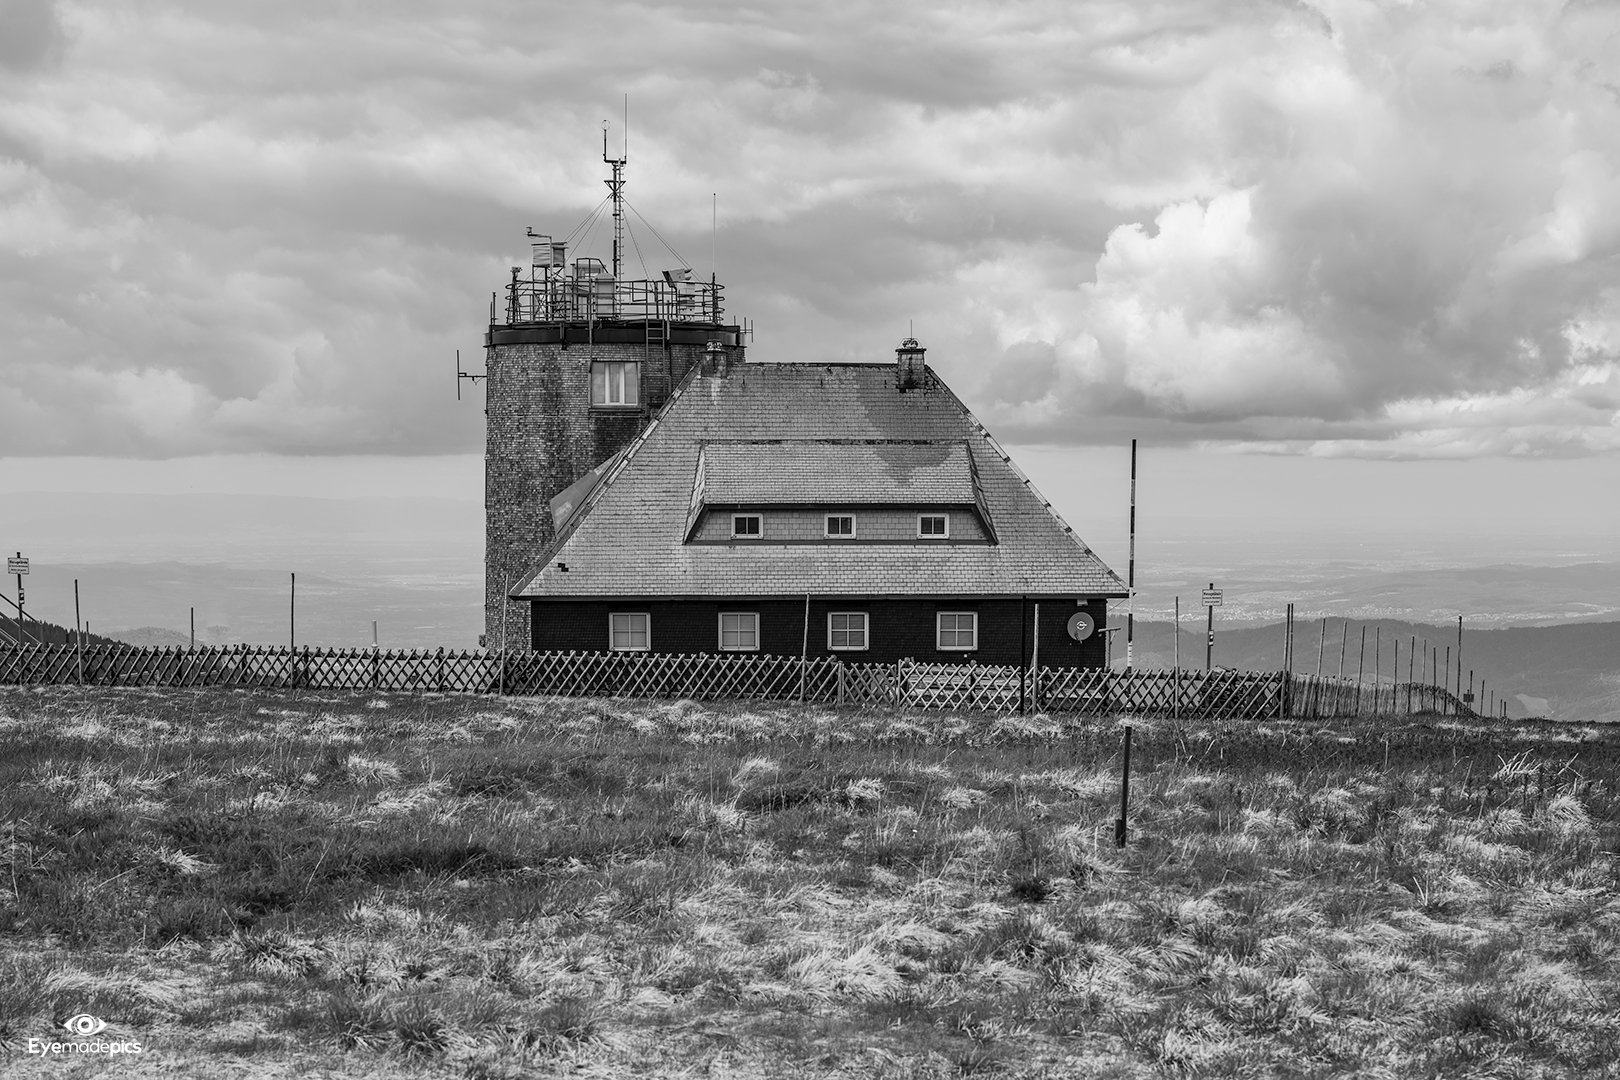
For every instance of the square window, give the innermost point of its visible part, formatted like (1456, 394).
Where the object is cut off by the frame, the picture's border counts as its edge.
(615, 382)
(739, 631)
(958, 630)
(846, 630)
(933, 526)
(747, 527)
(628, 631)
(841, 526)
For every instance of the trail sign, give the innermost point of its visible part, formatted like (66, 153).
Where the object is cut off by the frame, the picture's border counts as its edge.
(1212, 598)
(19, 565)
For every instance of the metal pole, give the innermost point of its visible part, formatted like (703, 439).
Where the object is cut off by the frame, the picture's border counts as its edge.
(1459, 657)
(1209, 642)
(1130, 572)
(804, 654)
(78, 632)
(1175, 686)
(1035, 662)
(1411, 655)
(1395, 679)
(22, 624)
(1124, 791)
(1361, 668)
(1023, 653)
(1446, 682)
(193, 629)
(292, 630)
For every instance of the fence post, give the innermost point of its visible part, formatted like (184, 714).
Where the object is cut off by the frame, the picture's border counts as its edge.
(1124, 791)
(441, 669)
(840, 664)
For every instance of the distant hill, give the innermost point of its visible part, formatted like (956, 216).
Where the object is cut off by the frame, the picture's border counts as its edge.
(49, 633)
(1574, 667)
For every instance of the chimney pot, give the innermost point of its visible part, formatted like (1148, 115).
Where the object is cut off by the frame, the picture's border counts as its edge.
(908, 365)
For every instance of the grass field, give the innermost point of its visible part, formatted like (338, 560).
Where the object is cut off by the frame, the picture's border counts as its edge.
(256, 884)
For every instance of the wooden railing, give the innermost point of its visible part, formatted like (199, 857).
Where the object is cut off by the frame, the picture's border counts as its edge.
(908, 684)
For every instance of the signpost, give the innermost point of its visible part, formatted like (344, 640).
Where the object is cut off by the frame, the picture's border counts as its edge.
(19, 567)
(1212, 600)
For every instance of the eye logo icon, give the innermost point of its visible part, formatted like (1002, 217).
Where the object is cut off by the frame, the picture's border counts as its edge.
(84, 1025)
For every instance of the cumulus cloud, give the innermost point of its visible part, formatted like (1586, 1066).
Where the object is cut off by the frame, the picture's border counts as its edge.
(1341, 228)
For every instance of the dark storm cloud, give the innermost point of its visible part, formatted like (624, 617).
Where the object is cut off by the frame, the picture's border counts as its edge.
(1345, 228)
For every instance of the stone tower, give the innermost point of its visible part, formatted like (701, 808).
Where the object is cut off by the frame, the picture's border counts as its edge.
(584, 359)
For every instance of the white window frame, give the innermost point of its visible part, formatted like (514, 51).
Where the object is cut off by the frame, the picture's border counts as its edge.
(753, 631)
(827, 527)
(616, 384)
(946, 535)
(866, 631)
(735, 535)
(646, 630)
(939, 631)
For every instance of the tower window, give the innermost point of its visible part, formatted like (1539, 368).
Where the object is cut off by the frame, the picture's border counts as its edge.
(615, 382)
(739, 631)
(746, 527)
(846, 630)
(958, 630)
(841, 526)
(933, 526)
(628, 631)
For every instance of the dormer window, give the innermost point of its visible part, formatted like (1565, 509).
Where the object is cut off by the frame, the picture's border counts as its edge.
(747, 527)
(933, 526)
(616, 382)
(840, 526)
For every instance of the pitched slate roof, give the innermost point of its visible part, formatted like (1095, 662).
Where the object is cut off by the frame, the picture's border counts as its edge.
(827, 472)
(627, 539)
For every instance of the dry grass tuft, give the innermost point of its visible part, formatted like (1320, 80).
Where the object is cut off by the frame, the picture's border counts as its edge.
(467, 887)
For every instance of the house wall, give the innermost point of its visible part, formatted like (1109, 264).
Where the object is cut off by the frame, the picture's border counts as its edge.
(871, 524)
(541, 434)
(899, 628)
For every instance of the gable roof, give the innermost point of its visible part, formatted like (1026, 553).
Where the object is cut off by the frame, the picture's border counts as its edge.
(628, 538)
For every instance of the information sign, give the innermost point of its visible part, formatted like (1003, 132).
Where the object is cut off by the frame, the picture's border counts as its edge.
(1212, 597)
(19, 565)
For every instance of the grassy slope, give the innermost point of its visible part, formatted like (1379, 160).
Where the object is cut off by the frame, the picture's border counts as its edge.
(258, 884)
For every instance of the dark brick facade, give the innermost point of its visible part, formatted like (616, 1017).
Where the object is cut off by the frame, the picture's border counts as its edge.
(542, 434)
(899, 628)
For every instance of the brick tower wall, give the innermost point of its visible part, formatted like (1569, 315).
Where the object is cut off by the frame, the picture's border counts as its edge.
(541, 435)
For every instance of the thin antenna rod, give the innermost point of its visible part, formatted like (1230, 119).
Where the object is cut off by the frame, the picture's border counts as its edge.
(714, 233)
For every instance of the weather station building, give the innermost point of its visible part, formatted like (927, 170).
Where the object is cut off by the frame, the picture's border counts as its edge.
(650, 488)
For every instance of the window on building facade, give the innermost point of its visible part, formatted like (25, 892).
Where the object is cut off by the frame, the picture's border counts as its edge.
(747, 527)
(958, 630)
(841, 526)
(629, 631)
(615, 382)
(846, 630)
(933, 526)
(739, 631)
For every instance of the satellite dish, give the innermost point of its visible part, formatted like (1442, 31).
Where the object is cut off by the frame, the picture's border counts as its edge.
(1081, 626)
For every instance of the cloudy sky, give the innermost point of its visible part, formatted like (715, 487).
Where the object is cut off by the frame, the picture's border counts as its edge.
(1341, 229)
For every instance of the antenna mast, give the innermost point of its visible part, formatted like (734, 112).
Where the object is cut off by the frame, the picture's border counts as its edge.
(616, 190)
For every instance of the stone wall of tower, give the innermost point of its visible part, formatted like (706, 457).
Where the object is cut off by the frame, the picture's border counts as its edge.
(541, 434)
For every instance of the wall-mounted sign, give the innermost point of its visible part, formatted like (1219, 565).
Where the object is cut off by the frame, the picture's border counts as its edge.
(1081, 626)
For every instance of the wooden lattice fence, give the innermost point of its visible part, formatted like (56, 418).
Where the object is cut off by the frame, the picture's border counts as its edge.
(971, 687)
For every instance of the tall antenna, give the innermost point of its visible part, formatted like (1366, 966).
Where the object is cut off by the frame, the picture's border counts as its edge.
(616, 185)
